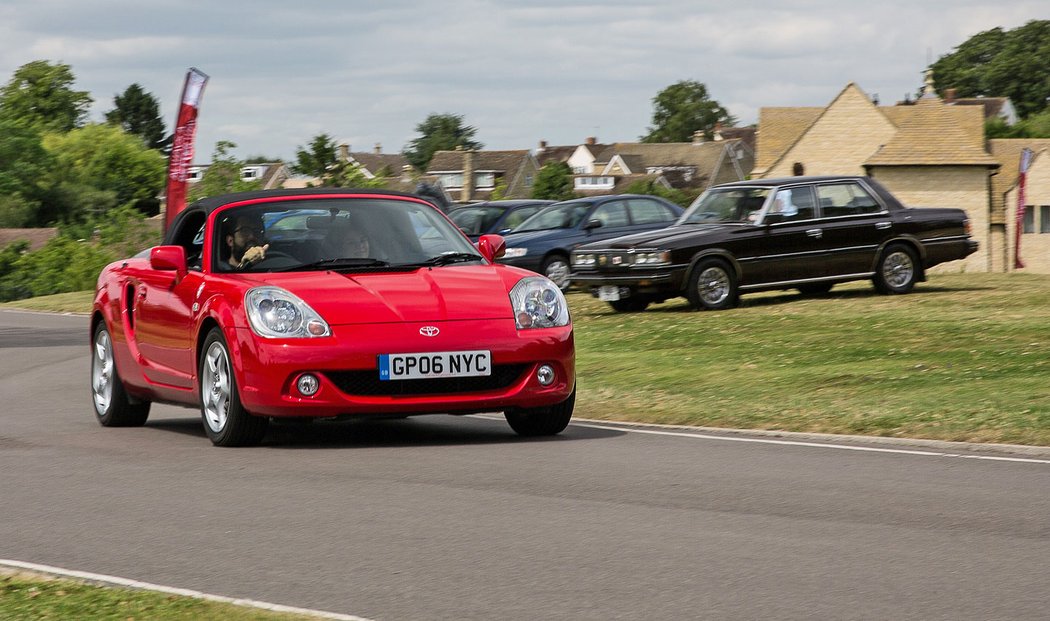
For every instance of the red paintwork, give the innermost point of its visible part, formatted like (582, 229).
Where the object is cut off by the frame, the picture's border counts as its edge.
(156, 344)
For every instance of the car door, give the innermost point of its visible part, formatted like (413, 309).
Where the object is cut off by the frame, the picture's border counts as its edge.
(790, 247)
(614, 219)
(649, 215)
(854, 224)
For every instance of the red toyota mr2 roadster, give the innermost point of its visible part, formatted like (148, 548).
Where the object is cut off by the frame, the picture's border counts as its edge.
(324, 303)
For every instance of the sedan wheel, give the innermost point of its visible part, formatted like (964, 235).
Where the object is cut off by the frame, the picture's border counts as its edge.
(557, 269)
(897, 270)
(713, 286)
(113, 406)
(226, 421)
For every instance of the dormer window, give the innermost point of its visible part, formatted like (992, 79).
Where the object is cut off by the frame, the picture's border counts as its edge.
(250, 173)
(194, 173)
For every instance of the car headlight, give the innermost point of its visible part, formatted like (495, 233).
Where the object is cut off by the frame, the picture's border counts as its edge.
(538, 303)
(274, 313)
(512, 253)
(583, 259)
(652, 258)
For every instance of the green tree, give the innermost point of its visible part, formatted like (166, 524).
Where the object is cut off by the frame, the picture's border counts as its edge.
(651, 188)
(23, 164)
(317, 158)
(997, 63)
(553, 182)
(41, 95)
(223, 175)
(138, 112)
(683, 108)
(439, 132)
(104, 158)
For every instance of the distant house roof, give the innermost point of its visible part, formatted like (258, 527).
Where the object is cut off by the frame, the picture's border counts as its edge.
(705, 157)
(374, 163)
(36, 237)
(560, 153)
(934, 134)
(484, 161)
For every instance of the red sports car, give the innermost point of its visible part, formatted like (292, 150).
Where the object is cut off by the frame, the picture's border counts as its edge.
(327, 303)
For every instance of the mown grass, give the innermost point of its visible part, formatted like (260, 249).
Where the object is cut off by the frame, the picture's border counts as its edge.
(34, 598)
(76, 302)
(964, 357)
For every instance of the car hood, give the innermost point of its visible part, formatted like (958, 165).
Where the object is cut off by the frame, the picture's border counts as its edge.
(669, 237)
(451, 293)
(531, 237)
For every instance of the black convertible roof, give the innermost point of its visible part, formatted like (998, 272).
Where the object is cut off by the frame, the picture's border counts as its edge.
(214, 202)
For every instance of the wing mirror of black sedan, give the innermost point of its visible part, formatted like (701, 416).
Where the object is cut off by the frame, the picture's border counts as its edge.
(592, 224)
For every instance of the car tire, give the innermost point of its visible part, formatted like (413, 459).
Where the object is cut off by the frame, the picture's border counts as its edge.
(225, 420)
(712, 286)
(897, 271)
(633, 304)
(113, 406)
(548, 421)
(556, 267)
(816, 289)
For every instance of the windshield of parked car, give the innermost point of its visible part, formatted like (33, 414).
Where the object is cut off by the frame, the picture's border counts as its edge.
(559, 216)
(316, 233)
(726, 205)
(476, 220)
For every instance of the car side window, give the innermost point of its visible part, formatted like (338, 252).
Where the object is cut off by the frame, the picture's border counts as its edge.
(846, 199)
(518, 216)
(649, 212)
(794, 204)
(612, 214)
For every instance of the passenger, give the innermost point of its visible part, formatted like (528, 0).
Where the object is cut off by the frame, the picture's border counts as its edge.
(246, 242)
(347, 242)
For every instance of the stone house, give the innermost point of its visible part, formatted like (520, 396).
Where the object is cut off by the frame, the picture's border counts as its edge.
(474, 175)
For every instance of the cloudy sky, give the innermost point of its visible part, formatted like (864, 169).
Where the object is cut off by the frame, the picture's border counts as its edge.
(519, 71)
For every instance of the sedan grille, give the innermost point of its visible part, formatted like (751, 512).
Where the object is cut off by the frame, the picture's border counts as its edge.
(368, 384)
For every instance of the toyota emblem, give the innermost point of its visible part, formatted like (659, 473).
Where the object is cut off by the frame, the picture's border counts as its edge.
(429, 331)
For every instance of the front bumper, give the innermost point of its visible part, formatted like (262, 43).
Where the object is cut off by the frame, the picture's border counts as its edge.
(267, 369)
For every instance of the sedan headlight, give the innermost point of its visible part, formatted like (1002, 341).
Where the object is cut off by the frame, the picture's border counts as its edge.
(274, 313)
(538, 303)
(662, 257)
(512, 253)
(583, 259)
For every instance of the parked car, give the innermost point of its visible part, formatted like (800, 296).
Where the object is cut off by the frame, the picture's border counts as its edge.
(806, 233)
(543, 242)
(500, 217)
(307, 304)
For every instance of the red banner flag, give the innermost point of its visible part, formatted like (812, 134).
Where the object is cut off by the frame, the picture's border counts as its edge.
(1026, 160)
(181, 157)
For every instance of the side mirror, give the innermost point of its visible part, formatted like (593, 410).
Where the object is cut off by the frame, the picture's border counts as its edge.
(492, 247)
(168, 259)
(592, 224)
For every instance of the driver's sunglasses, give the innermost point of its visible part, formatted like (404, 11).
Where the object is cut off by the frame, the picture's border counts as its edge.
(257, 231)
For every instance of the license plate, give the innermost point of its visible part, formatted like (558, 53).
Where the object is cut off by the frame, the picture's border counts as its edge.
(608, 293)
(435, 364)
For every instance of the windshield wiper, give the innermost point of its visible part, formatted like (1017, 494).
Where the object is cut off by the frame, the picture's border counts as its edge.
(341, 263)
(445, 259)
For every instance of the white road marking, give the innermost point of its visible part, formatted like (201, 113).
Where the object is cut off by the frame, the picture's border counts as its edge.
(146, 586)
(684, 432)
(842, 447)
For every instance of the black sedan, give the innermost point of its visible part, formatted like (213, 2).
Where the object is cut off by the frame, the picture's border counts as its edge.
(805, 233)
(543, 242)
(499, 217)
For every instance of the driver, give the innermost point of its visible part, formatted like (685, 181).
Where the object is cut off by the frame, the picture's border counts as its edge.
(246, 242)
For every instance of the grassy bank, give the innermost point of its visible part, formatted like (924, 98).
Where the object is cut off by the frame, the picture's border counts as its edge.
(964, 357)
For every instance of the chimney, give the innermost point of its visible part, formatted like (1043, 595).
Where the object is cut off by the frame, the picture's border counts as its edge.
(592, 140)
(406, 172)
(949, 95)
(344, 152)
(698, 137)
(378, 148)
(468, 174)
(543, 145)
(718, 131)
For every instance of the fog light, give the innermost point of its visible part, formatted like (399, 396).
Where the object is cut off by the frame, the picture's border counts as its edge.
(307, 384)
(545, 374)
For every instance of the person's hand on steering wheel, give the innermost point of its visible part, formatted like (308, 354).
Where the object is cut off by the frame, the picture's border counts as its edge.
(253, 255)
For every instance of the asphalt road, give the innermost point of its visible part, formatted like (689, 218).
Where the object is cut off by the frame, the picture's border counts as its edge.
(457, 518)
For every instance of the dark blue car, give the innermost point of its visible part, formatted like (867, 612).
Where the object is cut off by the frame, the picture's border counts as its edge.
(494, 216)
(543, 242)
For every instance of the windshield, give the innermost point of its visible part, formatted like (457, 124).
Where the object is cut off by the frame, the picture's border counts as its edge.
(476, 220)
(336, 233)
(560, 216)
(726, 205)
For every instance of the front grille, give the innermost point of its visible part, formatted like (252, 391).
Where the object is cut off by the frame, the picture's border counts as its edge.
(368, 384)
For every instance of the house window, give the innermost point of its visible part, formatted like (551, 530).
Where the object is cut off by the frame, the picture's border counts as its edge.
(579, 170)
(194, 173)
(484, 180)
(594, 183)
(1044, 218)
(1028, 226)
(250, 173)
(451, 180)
